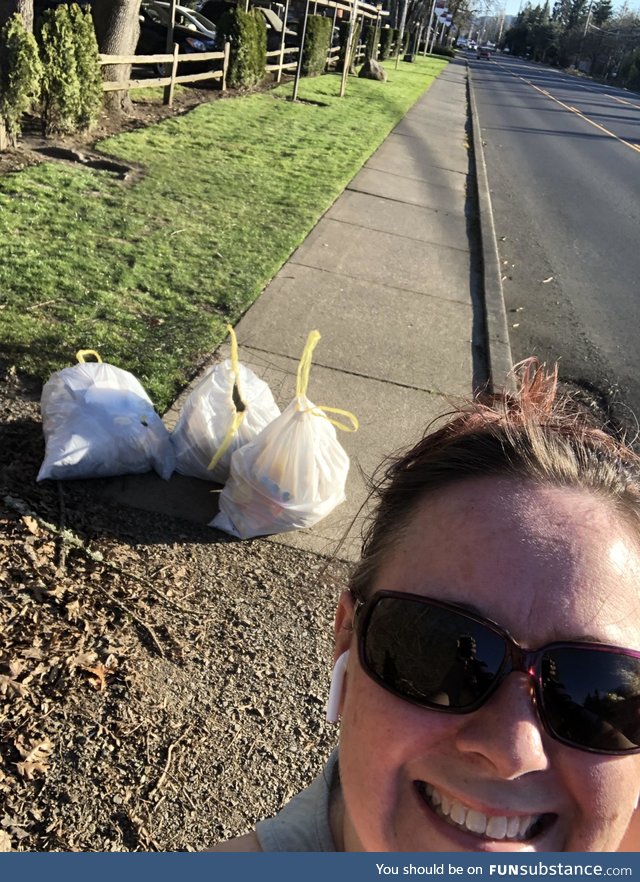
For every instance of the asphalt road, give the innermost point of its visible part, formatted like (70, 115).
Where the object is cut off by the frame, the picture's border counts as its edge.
(563, 162)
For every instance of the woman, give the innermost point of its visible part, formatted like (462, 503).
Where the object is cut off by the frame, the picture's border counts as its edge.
(488, 648)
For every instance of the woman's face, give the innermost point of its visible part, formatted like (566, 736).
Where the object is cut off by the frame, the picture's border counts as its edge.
(546, 564)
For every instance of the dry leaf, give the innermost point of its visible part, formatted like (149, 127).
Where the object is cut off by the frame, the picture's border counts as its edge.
(35, 760)
(31, 524)
(10, 686)
(101, 672)
(5, 841)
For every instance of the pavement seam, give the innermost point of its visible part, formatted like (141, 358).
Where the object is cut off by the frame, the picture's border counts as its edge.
(323, 269)
(499, 358)
(395, 174)
(318, 364)
(379, 230)
(445, 211)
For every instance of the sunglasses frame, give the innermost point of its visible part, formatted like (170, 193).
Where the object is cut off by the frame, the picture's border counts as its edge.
(516, 659)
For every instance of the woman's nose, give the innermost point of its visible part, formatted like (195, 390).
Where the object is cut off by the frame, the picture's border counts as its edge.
(506, 732)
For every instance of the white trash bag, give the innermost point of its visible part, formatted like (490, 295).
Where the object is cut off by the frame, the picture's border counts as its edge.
(229, 407)
(293, 474)
(98, 421)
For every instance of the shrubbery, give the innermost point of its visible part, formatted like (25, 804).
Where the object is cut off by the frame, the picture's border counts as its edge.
(71, 90)
(386, 42)
(20, 75)
(344, 39)
(440, 49)
(316, 45)
(247, 33)
(371, 39)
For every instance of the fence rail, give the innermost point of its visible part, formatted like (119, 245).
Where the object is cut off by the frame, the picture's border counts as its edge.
(173, 59)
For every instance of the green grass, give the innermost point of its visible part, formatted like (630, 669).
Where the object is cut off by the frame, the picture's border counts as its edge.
(149, 274)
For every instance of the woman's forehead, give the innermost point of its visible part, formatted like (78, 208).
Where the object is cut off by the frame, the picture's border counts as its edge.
(546, 562)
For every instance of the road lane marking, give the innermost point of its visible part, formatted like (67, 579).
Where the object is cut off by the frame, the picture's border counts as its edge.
(623, 101)
(579, 113)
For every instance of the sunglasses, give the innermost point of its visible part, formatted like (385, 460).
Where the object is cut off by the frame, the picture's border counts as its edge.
(441, 657)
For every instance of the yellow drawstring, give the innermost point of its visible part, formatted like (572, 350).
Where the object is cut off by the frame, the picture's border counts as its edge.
(81, 353)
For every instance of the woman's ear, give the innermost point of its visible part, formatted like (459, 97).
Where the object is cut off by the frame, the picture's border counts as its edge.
(343, 626)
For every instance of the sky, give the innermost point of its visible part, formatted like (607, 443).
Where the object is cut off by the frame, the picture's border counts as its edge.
(512, 6)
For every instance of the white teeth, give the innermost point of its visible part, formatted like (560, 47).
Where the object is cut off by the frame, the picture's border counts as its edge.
(524, 825)
(490, 826)
(497, 827)
(513, 827)
(477, 822)
(458, 813)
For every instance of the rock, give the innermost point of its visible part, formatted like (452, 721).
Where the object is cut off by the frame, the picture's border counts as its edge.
(373, 70)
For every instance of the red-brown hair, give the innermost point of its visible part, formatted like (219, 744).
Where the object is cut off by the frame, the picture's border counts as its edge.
(534, 434)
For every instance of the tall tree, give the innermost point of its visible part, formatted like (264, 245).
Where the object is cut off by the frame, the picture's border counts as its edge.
(117, 29)
(24, 7)
(601, 11)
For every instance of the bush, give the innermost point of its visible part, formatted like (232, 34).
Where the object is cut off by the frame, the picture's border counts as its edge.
(20, 74)
(439, 49)
(386, 41)
(247, 33)
(371, 41)
(62, 104)
(87, 66)
(316, 45)
(344, 39)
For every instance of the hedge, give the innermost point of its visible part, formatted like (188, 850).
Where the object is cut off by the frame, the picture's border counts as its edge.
(20, 74)
(316, 45)
(344, 39)
(247, 33)
(386, 41)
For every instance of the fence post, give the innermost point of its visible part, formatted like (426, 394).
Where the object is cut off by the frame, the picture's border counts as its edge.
(225, 65)
(168, 90)
(285, 15)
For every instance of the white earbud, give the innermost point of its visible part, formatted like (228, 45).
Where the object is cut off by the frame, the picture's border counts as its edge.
(335, 690)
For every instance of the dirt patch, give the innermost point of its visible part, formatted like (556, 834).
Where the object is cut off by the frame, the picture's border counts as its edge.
(161, 686)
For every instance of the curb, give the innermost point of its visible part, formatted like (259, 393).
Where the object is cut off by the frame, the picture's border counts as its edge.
(499, 358)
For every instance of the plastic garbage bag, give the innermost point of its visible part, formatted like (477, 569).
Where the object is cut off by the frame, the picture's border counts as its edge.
(293, 474)
(229, 407)
(98, 421)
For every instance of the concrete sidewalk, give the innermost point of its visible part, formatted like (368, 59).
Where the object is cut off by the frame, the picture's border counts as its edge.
(392, 277)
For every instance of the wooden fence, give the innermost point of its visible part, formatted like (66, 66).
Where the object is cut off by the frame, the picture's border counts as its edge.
(177, 58)
(170, 81)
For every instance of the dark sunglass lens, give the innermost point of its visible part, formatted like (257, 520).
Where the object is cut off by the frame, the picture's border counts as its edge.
(431, 655)
(592, 698)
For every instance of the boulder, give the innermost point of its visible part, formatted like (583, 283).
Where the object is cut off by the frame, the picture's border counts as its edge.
(373, 70)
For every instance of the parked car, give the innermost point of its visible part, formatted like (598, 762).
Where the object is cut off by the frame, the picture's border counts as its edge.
(274, 29)
(483, 52)
(193, 33)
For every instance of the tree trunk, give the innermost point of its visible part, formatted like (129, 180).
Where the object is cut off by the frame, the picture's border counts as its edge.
(117, 29)
(24, 7)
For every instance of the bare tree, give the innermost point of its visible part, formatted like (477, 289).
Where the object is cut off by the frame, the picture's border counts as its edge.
(117, 28)
(24, 7)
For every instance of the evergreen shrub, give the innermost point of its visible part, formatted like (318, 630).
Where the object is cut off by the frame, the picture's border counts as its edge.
(371, 41)
(61, 101)
(20, 74)
(247, 34)
(88, 67)
(344, 39)
(440, 49)
(386, 41)
(71, 82)
(316, 45)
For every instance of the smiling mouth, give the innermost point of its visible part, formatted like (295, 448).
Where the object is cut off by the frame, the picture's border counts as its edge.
(509, 828)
